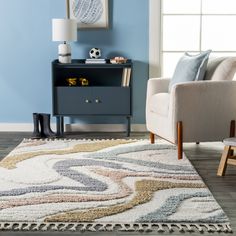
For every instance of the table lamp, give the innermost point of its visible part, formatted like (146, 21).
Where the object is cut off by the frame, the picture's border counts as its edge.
(64, 30)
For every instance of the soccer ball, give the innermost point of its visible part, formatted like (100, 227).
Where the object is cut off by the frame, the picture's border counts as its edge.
(95, 53)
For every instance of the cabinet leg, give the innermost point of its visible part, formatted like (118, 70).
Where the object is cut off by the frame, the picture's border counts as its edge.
(60, 126)
(128, 126)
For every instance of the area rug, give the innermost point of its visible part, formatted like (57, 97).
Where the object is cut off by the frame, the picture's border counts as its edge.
(104, 185)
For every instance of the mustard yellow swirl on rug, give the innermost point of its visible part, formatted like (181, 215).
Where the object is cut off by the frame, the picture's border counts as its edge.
(11, 162)
(144, 193)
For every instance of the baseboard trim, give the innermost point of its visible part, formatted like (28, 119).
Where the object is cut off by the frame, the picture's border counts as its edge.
(16, 127)
(28, 127)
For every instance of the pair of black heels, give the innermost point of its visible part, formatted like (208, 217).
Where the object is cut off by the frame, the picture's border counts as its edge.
(42, 127)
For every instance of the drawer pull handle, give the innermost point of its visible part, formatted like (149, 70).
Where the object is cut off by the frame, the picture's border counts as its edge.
(87, 101)
(97, 101)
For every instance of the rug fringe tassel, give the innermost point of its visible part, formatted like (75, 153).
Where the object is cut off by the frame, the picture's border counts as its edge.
(135, 227)
(82, 139)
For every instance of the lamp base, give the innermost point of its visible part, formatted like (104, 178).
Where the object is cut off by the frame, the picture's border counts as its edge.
(64, 53)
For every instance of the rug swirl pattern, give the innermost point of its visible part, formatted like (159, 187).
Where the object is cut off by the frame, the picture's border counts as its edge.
(104, 185)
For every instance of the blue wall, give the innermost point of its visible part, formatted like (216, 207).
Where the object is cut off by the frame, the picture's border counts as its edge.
(27, 51)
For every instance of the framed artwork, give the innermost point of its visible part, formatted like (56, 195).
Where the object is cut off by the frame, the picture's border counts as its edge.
(89, 13)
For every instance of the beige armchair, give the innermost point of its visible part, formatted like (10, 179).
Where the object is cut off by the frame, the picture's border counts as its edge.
(196, 111)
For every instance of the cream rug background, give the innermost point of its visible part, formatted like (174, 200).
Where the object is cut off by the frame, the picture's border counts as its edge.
(104, 185)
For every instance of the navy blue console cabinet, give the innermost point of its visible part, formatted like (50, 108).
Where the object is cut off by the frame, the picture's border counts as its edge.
(108, 93)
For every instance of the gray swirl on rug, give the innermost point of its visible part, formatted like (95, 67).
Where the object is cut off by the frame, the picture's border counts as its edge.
(91, 184)
(63, 168)
(171, 205)
(113, 155)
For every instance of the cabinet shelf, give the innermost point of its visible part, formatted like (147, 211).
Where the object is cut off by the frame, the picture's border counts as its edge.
(81, 64)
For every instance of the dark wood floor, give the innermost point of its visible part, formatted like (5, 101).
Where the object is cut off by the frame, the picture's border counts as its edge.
(205, 158)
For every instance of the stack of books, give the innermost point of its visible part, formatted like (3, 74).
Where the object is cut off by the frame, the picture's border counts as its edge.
(95, 61)
(126, 77)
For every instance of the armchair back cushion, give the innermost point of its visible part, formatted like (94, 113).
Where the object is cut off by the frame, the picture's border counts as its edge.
(190, 68)
(221, 69)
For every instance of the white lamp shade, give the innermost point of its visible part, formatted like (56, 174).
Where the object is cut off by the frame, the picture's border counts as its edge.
(64, 30)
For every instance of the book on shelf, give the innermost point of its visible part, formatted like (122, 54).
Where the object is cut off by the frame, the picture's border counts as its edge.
(126, 75)
(95, 61)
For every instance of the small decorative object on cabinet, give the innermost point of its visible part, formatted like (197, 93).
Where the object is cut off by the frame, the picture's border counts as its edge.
(72, 81)
(96, 61)
(118, 60)
(108, 94)
(84, 82)
(95, 53)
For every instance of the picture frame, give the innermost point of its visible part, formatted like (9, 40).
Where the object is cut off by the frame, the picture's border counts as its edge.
(90, 14)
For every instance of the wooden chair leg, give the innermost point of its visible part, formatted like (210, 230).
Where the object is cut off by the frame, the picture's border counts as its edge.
(232, 133)
(152, 138)
(180, 139)
(232, 129)
(223, 162)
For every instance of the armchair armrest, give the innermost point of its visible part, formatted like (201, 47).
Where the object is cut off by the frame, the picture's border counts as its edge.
(203, 97)
(154, 86)
(204, 105)
(157, 85)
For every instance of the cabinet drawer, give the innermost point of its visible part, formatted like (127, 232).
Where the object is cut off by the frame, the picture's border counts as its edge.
(92, 101)
(111, 100)
(72, 101)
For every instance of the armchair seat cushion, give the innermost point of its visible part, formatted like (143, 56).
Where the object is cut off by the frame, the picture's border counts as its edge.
(159, 104)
